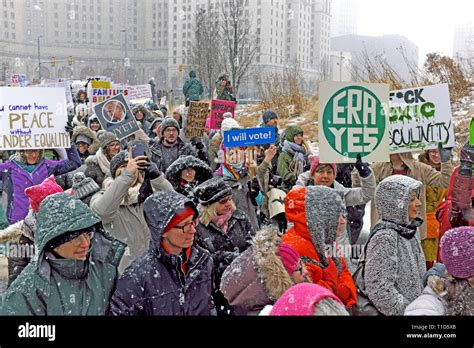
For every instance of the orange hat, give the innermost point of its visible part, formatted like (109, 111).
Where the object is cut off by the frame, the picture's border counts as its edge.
(179, 216)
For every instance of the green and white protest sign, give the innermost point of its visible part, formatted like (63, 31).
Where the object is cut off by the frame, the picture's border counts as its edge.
(353, 118)
(420, 118)
(33, 118)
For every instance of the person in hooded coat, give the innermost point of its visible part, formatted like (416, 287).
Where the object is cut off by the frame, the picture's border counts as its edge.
(403, 164)
(120, 203)
(223, 230)
(317, 213)
(457, 210)
(324, 174)
(293, 160)
(192, 88)
(174, 277)
(28, 168)
(186, 173)
(93, 123)
(98, 165)
(143, 117)
(261, 274)
(394, 261)
(76, 267)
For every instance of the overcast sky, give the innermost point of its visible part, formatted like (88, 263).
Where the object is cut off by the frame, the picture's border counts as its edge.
(427, 23)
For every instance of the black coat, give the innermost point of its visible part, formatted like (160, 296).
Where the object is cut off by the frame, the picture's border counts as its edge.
(224, 247)
(154, 284)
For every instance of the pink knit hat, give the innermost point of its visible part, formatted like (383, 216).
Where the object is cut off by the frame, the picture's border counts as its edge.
(289, 257)
(301, 299)
(37, 193)
(457, 251)
(314, 161)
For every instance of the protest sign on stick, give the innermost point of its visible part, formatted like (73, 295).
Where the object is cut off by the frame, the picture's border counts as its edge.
(196, 119)
(218, 109)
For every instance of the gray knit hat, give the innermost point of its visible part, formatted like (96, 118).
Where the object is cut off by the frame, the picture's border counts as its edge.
(81, 138)
(117, 161)
(169, 122)
(106, 138)
(83, 186)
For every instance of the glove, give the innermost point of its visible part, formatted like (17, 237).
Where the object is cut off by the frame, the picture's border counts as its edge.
(467, 154)
(254, 188)
(69, 127)
(197, 143)
(330, 275)
(444, 153)
(276, 181)
(152, 171)
(362, 167)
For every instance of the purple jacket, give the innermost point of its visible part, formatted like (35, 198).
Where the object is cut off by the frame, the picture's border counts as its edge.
(16, 180)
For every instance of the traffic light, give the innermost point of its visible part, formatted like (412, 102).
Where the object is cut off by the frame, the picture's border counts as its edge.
(53, 61)
(180, 67)
(69, 60)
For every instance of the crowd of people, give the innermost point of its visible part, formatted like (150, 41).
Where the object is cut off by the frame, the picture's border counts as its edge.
(191, 227)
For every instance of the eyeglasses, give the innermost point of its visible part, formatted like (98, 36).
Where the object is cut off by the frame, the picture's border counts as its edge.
(32, 151)
(186, 228)
(87, 235)
(225, 200)
(171, 130)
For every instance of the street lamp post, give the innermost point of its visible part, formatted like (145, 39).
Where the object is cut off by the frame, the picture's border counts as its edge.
(126, 56)
(39, 58)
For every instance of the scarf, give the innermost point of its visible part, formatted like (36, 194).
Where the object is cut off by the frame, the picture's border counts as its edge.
(29, 168)
(102, 161)
(131, 197)
(299, 156)
(222, 221)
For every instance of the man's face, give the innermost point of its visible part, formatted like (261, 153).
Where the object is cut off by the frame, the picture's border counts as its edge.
(114, 111)
(170, 134)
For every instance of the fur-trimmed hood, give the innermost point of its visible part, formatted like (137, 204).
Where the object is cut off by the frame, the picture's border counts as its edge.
(173, 173)
(257, 277)
(83, 130)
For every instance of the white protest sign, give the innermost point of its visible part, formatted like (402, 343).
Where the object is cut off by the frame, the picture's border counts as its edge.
(33, 118)
(420, 118)
(139, 92)
(353, 119)
(63, 84)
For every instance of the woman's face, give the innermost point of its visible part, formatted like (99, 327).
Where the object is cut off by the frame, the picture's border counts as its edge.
(82, 147)
(434, 156)
(414, 207)
(113, 148)
(298, 139)
(95, 126)
(139, 116)
(188, 174)
(224, 205)
(32, 156)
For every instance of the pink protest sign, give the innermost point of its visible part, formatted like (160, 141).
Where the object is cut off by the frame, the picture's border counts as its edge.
(218, 109)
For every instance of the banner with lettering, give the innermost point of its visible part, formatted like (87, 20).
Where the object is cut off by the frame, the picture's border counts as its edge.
(420, 118)
(353, 119)
(218, 109)
(33, 118)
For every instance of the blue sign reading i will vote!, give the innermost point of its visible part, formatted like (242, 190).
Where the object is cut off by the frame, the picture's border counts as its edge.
(249, 137)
